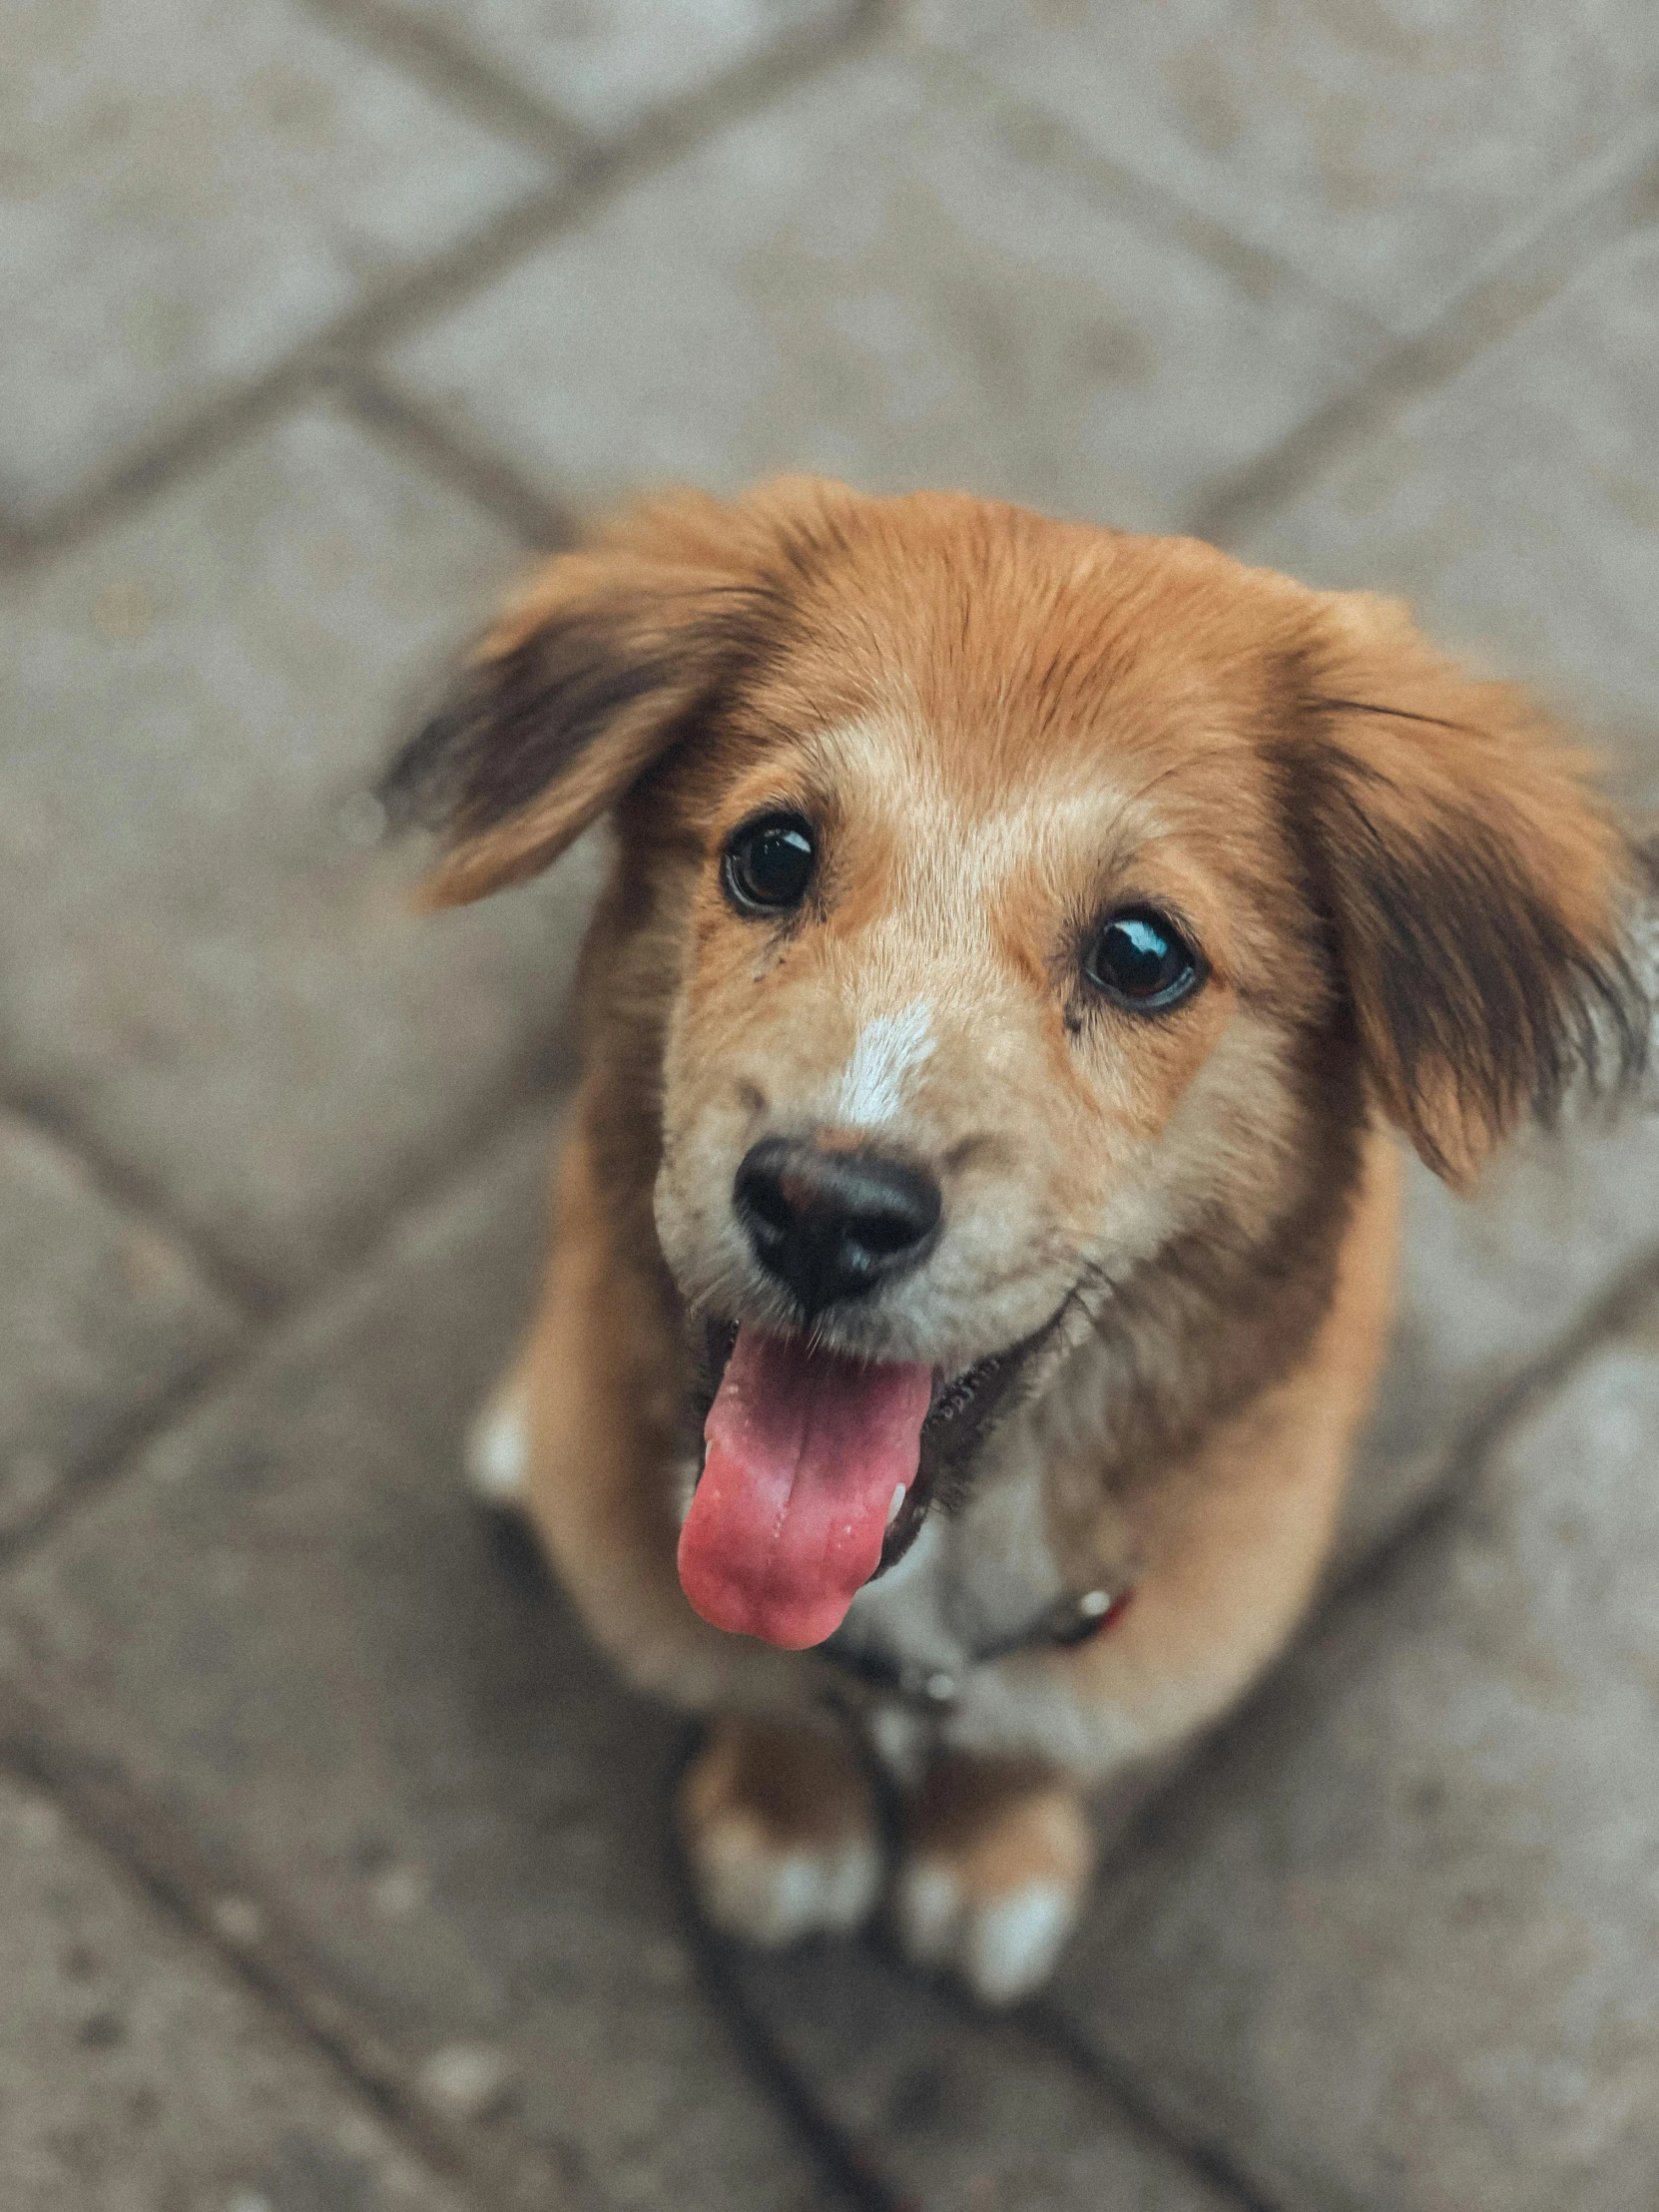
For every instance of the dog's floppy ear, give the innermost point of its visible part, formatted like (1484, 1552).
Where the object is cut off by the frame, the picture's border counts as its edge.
(1476, 893)
(601, 665)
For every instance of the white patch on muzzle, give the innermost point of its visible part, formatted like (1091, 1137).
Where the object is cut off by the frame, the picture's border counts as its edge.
(890, 1050)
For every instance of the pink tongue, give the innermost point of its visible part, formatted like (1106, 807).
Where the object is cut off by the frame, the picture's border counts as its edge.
(806, 1450)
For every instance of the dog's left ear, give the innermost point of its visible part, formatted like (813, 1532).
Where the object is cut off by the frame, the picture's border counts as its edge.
(602, 664)
(1476, 893)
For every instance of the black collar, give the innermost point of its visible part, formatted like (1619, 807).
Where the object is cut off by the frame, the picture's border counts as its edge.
(1060, 1626)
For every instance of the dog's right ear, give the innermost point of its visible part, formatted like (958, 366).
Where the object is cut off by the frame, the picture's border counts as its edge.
(597, 668)
(1480, 902)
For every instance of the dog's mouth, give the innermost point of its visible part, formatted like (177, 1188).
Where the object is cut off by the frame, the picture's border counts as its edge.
(818, 1472)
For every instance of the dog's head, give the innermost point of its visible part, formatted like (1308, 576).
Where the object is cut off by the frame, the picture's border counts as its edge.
(1010, 905)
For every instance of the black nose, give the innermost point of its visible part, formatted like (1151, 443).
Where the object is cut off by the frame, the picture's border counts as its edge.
(833, 1225)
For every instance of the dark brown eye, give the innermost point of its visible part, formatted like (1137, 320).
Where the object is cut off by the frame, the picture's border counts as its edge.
(1140, 960)
(769, 864)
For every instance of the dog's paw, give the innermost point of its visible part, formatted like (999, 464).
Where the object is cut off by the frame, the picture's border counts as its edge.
(781, 1834)
(1002, 1943)
(992, 1881)
(497, 1451)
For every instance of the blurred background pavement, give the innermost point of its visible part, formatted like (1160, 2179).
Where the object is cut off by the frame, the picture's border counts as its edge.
(332, 1876)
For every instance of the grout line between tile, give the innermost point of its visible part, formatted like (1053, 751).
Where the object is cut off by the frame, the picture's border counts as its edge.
(855, 2176)
(450, 67)
(604, 168)
(1471, 1449)
(1619, 195)
(855, 2179)
(166, 1868)
(515, 1110)
(1618, 1305)
(1040, 136)
(232, 415)
(454, 69)
(138, 1194)
(267, 1960)
(543, 526)
(1049, 2029)
(129, 1831)
(750, 84)
(440, 284)
(82, 1478)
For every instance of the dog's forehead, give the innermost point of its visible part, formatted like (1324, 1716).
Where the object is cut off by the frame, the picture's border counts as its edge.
(1007, 782)
(1014, 662)
(896, 765)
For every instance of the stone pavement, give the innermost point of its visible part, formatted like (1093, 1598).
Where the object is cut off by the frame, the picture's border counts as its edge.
(331, 1870)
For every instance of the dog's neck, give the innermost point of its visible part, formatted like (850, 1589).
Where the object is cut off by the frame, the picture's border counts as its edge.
(1199, 1331)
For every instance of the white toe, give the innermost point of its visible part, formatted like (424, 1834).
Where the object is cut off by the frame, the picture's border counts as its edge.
(771, 1895)
(1003, 1947)
(499, 1454)
(1012, 1945)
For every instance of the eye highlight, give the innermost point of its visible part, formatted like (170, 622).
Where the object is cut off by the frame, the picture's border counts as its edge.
(1139, 960)
(768, 865)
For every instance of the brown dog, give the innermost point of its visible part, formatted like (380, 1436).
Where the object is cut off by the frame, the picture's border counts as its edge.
(973, 1245)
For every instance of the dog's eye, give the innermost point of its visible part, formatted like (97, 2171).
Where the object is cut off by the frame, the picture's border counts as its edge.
(1141, 959)
(769, 864)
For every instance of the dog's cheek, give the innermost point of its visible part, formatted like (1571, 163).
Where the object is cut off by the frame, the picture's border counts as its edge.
(1228, 1153)
(689, 1196)
(710, 1116)
(1018, 1225)
(696, 1226)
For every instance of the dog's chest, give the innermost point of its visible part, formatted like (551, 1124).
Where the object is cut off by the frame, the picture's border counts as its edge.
(950, 1648)
(973, 1582)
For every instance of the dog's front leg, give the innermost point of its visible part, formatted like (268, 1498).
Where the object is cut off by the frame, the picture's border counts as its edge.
(780, 1829)
(996, 1862)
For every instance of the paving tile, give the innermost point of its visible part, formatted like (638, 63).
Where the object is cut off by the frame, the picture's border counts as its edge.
(201, 966)
(606, 64)
(965, 2112)
(101, 1313)
(1395, 1938)
(1518, 507)
(1388, 150)
(288, 1631)
(873, 279)
(137, 2076)
(1515, 509)
(1492, 1284)
(190, 192)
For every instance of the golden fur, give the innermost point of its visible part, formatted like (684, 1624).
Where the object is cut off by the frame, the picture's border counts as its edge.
(1409, 910)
